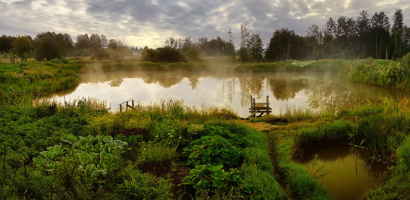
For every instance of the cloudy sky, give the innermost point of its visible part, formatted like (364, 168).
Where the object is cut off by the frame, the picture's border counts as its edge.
(151, 22)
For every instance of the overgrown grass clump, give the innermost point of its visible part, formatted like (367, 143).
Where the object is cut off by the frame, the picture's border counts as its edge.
(22, 83)
(386, 73)
(292, 65)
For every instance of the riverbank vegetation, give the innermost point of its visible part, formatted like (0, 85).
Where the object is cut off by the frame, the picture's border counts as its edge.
(381, 129)
(163, 150)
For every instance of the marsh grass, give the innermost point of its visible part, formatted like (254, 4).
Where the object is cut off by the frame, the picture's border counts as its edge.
(20, 84)
(177, 108)
(156, 152)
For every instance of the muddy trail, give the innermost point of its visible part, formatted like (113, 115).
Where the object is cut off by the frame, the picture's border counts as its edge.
(266, 127)
(278, 174)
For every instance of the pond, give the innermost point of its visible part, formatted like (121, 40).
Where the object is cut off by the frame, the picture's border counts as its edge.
(348, 171)
(317, 92)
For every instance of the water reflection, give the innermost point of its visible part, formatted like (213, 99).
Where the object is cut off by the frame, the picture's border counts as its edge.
(116, 82)
(351, 172)
(285, 88)
(314, 91)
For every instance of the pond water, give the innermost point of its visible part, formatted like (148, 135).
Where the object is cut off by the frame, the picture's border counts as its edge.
(350, 171)
(233, 90)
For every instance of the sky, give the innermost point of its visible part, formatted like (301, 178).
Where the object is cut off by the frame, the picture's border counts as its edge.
(151, 22)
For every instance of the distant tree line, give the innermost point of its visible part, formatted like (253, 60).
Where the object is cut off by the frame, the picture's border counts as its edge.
(344, 38)
(50, 45)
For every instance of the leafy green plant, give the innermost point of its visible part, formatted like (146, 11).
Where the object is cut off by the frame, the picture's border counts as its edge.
(213, 150)
(94, 156)
(138, 185)
(214, 178)
(168, 129)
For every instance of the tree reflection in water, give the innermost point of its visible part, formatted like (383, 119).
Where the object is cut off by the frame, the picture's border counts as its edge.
(116, 82)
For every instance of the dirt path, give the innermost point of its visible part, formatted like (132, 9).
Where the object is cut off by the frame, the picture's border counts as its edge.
(279, 175)
(265, 127)
(262, 126)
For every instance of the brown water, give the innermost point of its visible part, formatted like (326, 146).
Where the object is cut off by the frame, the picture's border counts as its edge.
(351, 172)
(285, 90)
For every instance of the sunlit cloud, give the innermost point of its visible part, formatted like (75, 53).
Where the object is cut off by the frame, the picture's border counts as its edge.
(150, 22)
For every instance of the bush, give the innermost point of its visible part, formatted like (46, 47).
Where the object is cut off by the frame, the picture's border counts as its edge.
(165, 54)
(138, 185)
(213, 150)
(214, 178)
(110, 54)
(406, 58)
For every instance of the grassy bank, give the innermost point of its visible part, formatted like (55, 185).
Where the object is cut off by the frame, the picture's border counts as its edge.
(384, 73)
(22, 83)
(381, 129)
(293, 65)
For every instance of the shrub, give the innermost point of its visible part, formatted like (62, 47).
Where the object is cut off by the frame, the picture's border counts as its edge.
(138, 185)
(213, 150)
(166, 54)
(167, 129)
(214, 178)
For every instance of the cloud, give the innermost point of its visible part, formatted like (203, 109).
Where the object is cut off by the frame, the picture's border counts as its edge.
(151, 22)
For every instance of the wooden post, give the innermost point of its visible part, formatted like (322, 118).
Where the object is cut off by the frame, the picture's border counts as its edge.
(133, 104)
(126, 106)
(120, 108)
(267, 104)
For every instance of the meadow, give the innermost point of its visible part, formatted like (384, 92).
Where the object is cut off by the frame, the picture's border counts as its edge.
(169, 150)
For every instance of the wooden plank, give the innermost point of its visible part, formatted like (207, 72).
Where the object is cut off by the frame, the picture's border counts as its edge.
(260, 105)
(252, 114)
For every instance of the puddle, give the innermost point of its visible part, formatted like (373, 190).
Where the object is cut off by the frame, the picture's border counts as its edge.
(350, 171)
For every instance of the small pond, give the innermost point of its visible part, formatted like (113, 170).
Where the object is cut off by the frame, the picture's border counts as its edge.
(233, 90)
(350, 171)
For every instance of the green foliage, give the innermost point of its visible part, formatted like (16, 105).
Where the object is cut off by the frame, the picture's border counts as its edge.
(291, 65)
(22, 85)
(193, 54)
(403, 153)
(138, 185)
(49, 46)
(168, 129)
(21, 47)
(214, 178)
(299, 181)
(381, 73)
(262, 183)
(117, 54)
(156, 152)
(166, 54)
(213, 150)
(96, 156)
